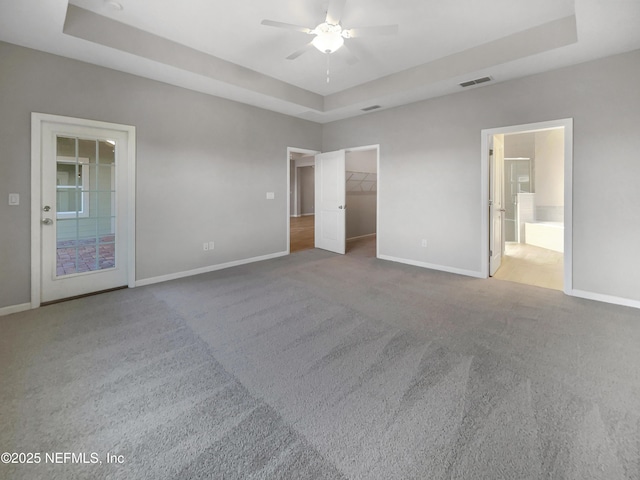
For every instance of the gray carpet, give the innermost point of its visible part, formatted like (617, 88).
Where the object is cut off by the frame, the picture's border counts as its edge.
(322, 366)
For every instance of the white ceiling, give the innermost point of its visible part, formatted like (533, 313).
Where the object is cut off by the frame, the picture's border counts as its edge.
(203, 45)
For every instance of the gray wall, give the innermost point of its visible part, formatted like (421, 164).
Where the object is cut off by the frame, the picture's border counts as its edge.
(204, 164)
(306, 176)
(430, 168)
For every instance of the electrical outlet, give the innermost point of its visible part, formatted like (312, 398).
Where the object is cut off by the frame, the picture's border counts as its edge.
(205, 246)
(211, 245)
(424, 242)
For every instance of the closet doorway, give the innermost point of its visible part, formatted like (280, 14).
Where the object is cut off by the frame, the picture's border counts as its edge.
(361, 185)
(357, 189)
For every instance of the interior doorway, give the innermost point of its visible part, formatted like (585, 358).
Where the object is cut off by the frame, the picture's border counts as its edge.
(361, 196)
(350, 191)
(301, 209)
(529, 214)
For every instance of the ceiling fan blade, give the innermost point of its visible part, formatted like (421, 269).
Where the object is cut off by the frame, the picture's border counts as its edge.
(334, 12)
(349, 55)
(288, 26)
(297, 53)
(372, 31)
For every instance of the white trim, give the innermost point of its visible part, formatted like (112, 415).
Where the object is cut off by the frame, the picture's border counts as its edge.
(294, 189)
(14, 309)
(361, 236)
(131, 213)
(37, 119)
(36, 200)
(600, 297)
(431, 266)
(291, 150)
(210, 268)
(568, 206)
(306, 215)
(485, 135)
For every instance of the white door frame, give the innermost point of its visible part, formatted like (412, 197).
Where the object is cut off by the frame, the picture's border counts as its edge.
(37, 120)
(486, 134)
(291, 150)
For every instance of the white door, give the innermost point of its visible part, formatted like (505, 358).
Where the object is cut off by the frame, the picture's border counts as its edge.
(84, 208)
(496, 204)
(330, 201)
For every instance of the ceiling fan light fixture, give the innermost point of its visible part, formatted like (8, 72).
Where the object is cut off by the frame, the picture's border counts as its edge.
(328, 38)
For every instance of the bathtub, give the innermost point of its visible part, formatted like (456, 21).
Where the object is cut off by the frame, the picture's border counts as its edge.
(549, 235)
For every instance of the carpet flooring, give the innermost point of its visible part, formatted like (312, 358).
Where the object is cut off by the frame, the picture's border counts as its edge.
(321, 366)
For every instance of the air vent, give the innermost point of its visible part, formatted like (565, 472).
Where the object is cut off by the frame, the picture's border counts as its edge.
(372, 107)
(476, 81)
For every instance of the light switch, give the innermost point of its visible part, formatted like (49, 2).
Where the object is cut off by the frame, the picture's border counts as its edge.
(14, 199)
(271, 195)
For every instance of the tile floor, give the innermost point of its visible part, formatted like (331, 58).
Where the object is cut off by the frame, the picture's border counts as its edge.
(532, 265)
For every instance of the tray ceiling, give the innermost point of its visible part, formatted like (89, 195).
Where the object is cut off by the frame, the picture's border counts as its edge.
(220, 47)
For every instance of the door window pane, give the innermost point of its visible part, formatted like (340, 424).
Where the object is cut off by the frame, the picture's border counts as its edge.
(85, 205)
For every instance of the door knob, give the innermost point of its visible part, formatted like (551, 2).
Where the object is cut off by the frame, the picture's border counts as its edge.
(47, 221)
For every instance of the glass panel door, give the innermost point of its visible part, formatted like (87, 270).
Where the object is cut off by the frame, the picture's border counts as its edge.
(85, 205)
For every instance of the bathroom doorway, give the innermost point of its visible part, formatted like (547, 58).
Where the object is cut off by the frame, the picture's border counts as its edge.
(534, 208)
(529, 215)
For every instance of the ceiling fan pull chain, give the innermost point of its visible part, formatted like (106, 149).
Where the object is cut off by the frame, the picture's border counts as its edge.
(328, 60)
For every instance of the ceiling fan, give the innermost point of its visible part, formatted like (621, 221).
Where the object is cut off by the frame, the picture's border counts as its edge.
(329, 36)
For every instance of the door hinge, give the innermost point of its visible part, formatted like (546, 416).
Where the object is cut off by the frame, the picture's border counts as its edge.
(490, 253)
(491, 151)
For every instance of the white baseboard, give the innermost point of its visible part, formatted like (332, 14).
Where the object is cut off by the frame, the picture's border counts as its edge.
(442, 268)
(307, 215)
(599, 297)
(14, 309)
(210, 268)
(361, 236)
